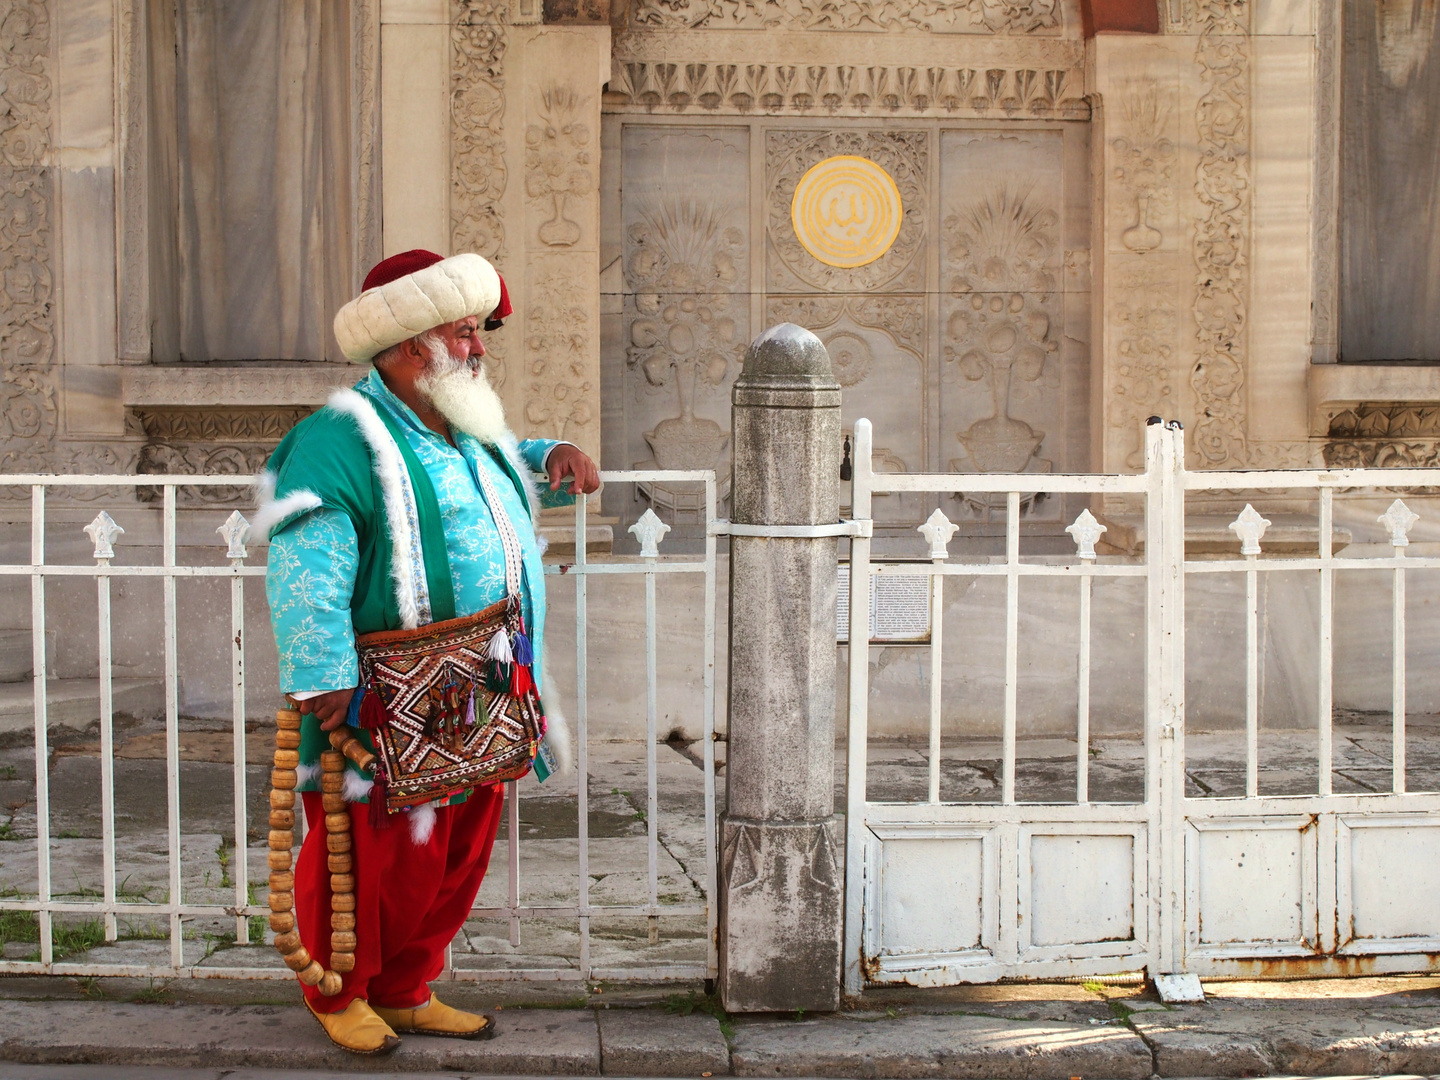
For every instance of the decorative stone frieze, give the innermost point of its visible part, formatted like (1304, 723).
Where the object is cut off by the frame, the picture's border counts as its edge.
(29, 411)
(477, 143)
(211, 439)
(1378, 433)
(933, 16)
(708, 86)
(1222, 234)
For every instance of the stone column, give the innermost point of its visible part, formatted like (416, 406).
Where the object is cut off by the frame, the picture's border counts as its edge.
(781, 883)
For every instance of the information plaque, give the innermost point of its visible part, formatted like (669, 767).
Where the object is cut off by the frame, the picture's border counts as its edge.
(899, 609)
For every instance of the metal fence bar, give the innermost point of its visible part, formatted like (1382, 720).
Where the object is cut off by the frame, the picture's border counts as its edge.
(1397, 678)
(582, 729)
(856, 749)
(707, 708)
(937, 620)
(1012, 644)
(172, 728)
(1325, 690)
(241, 875)
(1082, 709)
(1252, 682)
(652, 796)
(107, 755)
(42, 748)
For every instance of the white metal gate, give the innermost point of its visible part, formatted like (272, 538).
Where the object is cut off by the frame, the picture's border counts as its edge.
(941, 892)
(178, 907)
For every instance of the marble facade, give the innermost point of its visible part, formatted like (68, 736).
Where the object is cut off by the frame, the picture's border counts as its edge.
(1096, 229)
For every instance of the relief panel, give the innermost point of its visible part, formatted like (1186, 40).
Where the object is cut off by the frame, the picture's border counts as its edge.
(686, 258)
(1002, 379)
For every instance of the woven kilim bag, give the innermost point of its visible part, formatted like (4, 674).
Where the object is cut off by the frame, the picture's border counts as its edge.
(447, 713)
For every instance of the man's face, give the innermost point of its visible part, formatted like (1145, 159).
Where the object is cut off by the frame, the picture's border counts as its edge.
(462, 338)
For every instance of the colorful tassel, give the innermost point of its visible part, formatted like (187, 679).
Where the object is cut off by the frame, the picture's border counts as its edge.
(470, 709)
(524, 654)
(497, 676)
(379, 796)
(373, 714)
(499, 648)
(521, 682)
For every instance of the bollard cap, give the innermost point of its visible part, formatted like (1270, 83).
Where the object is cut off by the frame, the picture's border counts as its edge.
(788, 359)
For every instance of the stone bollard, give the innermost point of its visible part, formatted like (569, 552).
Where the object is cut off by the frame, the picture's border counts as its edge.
(781, 886)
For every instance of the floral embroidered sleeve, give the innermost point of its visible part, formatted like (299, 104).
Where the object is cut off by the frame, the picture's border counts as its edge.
(309, 583)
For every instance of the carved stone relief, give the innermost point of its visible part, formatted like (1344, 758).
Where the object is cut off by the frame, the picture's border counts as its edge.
(1002, 314)
(1221, 243)
(846, 89)
(790, 154)
(557, 161)
(1144, 163)
(1384, 434)
(1141, 379)
(560, 395)
(210, 439)
(934, 16)
(686, 272)
(28, 408)
(477, 146)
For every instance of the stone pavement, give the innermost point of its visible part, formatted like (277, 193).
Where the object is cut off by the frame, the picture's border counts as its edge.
(1368, 1026)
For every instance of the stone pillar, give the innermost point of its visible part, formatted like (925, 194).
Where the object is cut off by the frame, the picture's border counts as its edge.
(781, 883)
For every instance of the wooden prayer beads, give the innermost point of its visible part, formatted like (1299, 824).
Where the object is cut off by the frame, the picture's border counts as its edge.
(283, 780)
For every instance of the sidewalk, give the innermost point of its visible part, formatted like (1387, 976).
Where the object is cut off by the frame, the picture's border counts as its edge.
(1032, 1031)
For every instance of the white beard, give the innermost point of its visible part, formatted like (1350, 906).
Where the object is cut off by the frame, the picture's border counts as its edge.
(462, 393)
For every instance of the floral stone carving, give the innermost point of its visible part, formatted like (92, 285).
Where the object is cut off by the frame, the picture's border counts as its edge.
(557, 161)
(479, 36)
(1000, 258)
(993, 16)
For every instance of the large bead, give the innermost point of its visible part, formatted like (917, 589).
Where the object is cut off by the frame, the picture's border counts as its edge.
(342, 920)
(287, 740)
(282, 901)
(282, 922)
(282, 800)
(279, 860)
(312, 975)
(288, 719)
(282, 819)
(334, 803)
(343, 962)
(332, 760)
(331, 984)
(288, 942)
(282, 880)
(337, 842)
(281, 839)
(342, 901)
(342, 883)
(339, 864)
(336, 823)
(287, 759)
(284, 779)
(332, 783)
(343, 941)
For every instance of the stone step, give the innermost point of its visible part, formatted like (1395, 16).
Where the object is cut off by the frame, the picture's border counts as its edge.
(75, 703)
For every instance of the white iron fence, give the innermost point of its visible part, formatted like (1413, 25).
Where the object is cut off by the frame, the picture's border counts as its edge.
(114, 902)
(1259, 884)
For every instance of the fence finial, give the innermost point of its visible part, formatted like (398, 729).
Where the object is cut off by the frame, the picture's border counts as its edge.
(1249, 527)
(235, 531)
(1085, 531)
(1399, 519)
(649, 530)
(937, 530)
(103, 532)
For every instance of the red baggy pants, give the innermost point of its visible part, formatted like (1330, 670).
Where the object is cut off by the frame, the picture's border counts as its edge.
(410, 899)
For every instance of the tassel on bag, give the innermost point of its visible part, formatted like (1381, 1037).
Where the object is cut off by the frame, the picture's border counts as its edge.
(470, 709)
(373, 714)
(501, 659)
(379, 795)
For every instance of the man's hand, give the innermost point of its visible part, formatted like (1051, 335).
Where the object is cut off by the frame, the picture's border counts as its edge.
(329, 708)
(572, 462)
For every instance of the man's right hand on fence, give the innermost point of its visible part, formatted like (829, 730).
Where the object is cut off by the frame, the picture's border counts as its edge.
(329, 708)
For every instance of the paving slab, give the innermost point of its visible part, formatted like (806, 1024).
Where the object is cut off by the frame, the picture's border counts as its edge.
(644, 1042)
(551, 1042)
(965, 1047)
(1259, 1037)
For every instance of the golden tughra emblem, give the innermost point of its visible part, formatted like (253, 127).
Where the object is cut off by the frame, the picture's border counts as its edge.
(846, 211)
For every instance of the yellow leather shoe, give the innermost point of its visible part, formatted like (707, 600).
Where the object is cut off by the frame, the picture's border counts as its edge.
(437, 1018)
(356, 1028)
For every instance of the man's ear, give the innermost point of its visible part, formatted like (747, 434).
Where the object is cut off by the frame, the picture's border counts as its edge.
(414, 353)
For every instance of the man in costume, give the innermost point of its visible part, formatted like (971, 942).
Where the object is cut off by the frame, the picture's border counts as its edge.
(401, 504)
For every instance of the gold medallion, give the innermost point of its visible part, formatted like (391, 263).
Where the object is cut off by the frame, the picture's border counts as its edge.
(846, 211)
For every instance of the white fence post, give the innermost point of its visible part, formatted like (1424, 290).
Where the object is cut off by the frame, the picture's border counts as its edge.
(859, 698)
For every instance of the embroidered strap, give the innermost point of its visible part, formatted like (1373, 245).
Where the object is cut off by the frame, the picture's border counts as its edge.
(509, 540)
